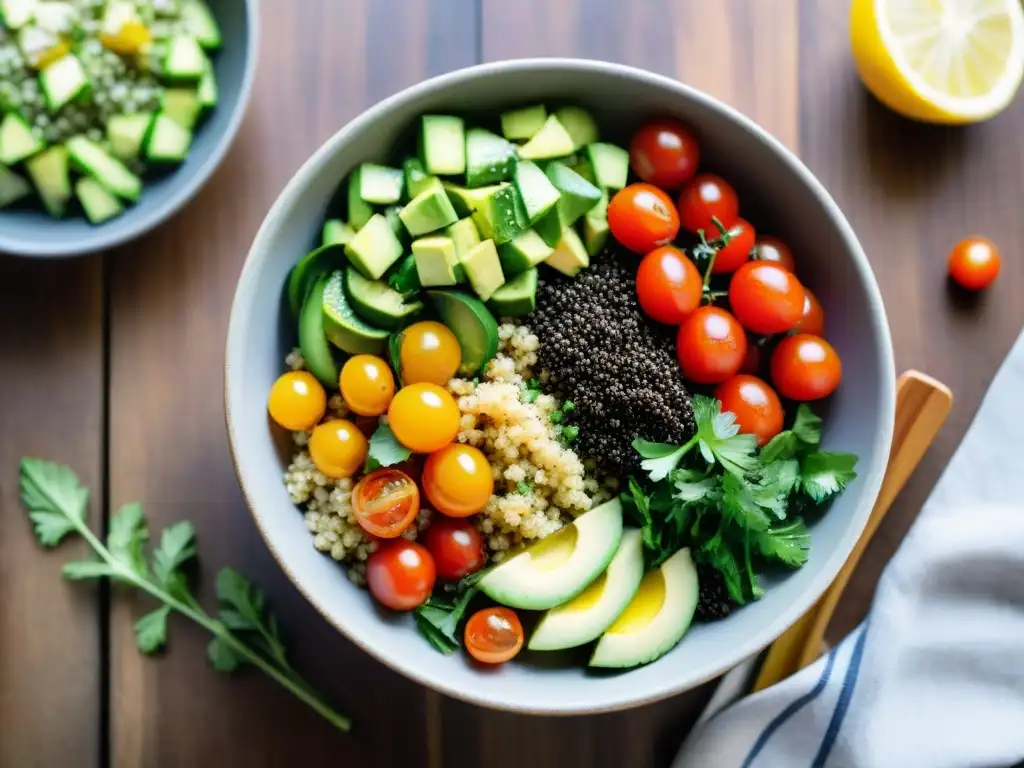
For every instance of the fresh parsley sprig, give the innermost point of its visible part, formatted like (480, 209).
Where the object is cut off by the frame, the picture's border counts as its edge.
(384, 449)
(439, 617)
(244, 631)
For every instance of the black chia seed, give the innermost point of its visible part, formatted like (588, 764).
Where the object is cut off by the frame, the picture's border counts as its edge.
(713, 601)
(618, 367)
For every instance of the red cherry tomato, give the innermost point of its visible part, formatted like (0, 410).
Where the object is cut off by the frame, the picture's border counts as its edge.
(752, 360)
(805, 367)
(813, 319)
(664, 153)
(766, 298)
(668, 285)
(711, 346)
(755, 404)
(707, 195)
(974, 263)
(400, 575)
(642, 217)
(457, 547)
(734, 255)
(385, 502)
(772, 249)
(494, 635)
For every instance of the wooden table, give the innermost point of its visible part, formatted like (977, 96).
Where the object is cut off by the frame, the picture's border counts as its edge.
(113, 364)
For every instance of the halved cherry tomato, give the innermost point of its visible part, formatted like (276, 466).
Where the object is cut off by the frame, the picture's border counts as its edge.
(457, 547)
(297, 401)
(668, 285)
(705, 196)
(664, 153)
(385, 502)
(766, 298)
(458, 480)
(429, 352)
(974, 263)
(424, 417)
(772, 249)
(813, 319)
(756, 406)
(642, 217)
(338, 448)
(494, 635)
(401, 575)
(736, 253)
(367, 385)
(805, 367)
(711, 346)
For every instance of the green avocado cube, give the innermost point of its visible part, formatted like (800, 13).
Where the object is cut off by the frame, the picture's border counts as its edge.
(443, 144)
(429, 211)
(536, 190)
(579, 124)
(552, 140)
(489, 158)
(609, 165)
(497, 210)
(483, 267)
(595, 233)
(523, 124)
(577, 194)
(526, 251)
(435, 260)
(465, 235)
(336, 232)
(380, 184)
(570, 255)
(374, 248)
(416, 177)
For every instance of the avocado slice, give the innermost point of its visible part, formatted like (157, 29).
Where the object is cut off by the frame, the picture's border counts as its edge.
(489, 158)
(435, 261)
(536, 190)
(377, 303)
(595, 234)
(310, 268)
(374, 248)
(313, 340)
(483, 267)
(517, 297)
(337, 232)
(589, 614)
(552, 140)
(570, 255)
(429, 211)
(655, 619)
(579, 124)
(359, 211)
(343, 327)
(609, 164)
(522, 124)
(473, 325)
(526, 251)
(416, 176)
(465, 235)
(578, 196)
(497, 210)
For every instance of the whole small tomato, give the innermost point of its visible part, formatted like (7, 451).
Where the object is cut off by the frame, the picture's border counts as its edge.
(401, 575)
(974, 263)
(757, 408)
(668, 285)
(494, 635)
(664, 153)
(705, 196)
(772, 249)
(458, 480)
(457, 547)
(736, 252)
(642, 217)
(813, 319)
(711, 346)
(766, 298)
(752, 360)
(805, 367)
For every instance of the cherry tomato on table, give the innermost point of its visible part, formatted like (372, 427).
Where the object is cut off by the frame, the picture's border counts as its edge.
(338, 448)
(664, 153)
(642, 217)
(401, 574)
(772, 249)
(297, 401)
(458, 480)
(494, 635)
(367, 385)
(385, 502)
(423, 417)
(457, 547)
(756, 406)
(974, 263)
(736, 252)
(766, 298)
(705, 196)
(429, 353)
(813, 319)
(668, 285)
(805, 367)
(711, 346)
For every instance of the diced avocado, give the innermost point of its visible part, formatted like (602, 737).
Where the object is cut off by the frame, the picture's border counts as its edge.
(63, 81)
(343, 328)
(483, 267)
(91, 158)
(579, 124)
(536, 190)
(377, 303)
(569, 256)
(582, 167)
(429, 211)
(549, 227)
(49, 172)
(589, 614)
(497, 210)
(416, 177)
(12, 187)
(443, 144)
(167, 142)
(127, 133)
(316, 264)
(98, 204)
(359, 211)
(336, 232)
(522, 124)
(526, 251)
(313, 339)
(609, 163)
(182, 105)
(577, 194)
(560, 566)
(374, 248)
(435, 260)
(17, 141)
(489, 158)
(207, 90)
(595, 234)
(201, 23)
(465, 235)
(517, 297)
(473, 325)
(380, 184)
(185, 60)
(655, 619)
(600, 211)
(552, 140)
(393, 214)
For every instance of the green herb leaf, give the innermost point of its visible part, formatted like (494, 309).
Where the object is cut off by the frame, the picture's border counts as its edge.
(54, 498)
(780, 448)
(524, 488)
(222, 656)
(50, 527)
(405, 279)
(127, 538)
(740, 506)
(79, 570)
(807, 426)
(774, 484)
(385, 450)
(789, 544)
(151, 630)
(826, 473)
(659, 459)
(177, 547)
(719, 439)
(438, 620)
(651, 450)
(395, 353)
(234, 590)
(716, 553)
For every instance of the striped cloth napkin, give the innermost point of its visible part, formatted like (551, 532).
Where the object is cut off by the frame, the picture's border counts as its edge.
(934, 677)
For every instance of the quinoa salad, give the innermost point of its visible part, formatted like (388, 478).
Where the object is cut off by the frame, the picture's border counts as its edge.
(530, 384)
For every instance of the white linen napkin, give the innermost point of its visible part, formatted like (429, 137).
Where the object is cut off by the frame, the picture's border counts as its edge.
(934, 676)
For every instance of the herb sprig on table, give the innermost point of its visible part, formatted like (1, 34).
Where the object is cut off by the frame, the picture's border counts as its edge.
(244, 631)
(732, 505)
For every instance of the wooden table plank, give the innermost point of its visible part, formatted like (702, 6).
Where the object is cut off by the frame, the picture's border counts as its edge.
(51, 390)
(322, 62)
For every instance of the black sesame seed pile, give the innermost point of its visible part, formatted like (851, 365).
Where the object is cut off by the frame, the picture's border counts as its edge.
(713, 602)
(604, 355)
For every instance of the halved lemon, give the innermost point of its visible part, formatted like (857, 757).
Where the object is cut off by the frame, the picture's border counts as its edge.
(940, 61)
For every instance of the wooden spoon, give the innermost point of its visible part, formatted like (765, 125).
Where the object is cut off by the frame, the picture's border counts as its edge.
(922, 404)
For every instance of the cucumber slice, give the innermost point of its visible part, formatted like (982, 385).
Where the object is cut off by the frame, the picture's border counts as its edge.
(377, 303)
(536, 190)
(517, 297)
(443, 144)
(63, 81)
(201, 23)
(126, 134)
(168, 142)
(359, 211)
(522, 124)
(15, 14)
(343, 327)
(105, 168)
(380, 184)
(473, 325)
(310, 268)
(185, 60)
(17, 141)
(182, 105)
(98, 204)
(552, 140)
(336, 232)
(313, 340)
(49, 172)
(12, 187)
(207, 90)
(580, 125)
(489, 158)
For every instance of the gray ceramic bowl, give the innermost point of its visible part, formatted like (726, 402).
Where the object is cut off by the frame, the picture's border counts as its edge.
(32, 232)
(791, 200)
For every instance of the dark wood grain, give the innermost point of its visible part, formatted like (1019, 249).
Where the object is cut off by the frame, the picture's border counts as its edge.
(51, 391)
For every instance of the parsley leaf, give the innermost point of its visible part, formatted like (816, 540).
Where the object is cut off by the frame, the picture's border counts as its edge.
(385, 450)
(405, 279)
(127, 538)
(807, 426)
(659, 459)
(740, 505)
(177, 547)
(692, 487)
(826, 473)
(79, 570)
(780, 448)
(804, 435)
(438, 619)
(55, 500)
(789, 544)
(151, 630)
(222, 656)
(719, 439)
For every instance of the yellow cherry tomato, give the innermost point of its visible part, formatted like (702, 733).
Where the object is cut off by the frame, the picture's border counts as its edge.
(458, 480)
(338, 448)
(424, 417)
(297, 401)
(367, 385)
(430, 352)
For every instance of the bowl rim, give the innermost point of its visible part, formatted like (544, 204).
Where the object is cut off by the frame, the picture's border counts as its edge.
(120, 235)
(872, 475)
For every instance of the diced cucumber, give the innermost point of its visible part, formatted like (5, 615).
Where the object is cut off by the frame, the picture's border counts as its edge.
(182, 105)
(429, 211)
(489, 158)
(15, 14)
(63, 81)
(200, 22)
(538, 193)
(552, 140)
(549, 227)
(377, 303)
(126, 134)
(337, 232)
(359, 211)
(443, 144)
(416, 177)
(578, 194)
(580, 125)
(12, 187)
(167, 142)
(522, 124)
(483, 267)
(185, 60)
(380, 184)
(110, 172)
(609, 164)
(98, 204)
(17, 141)
(49, 172)
(526, 251)
(207, 90)
(517, 297)
(497, 210)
